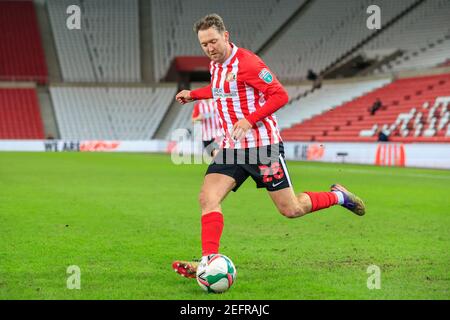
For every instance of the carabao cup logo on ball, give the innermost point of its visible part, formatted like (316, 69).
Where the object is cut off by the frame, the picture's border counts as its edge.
(266, 76)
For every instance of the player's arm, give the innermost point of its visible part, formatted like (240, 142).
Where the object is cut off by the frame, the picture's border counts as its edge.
(257, 75)
(202, 93)
(186, 96)
(260, 77)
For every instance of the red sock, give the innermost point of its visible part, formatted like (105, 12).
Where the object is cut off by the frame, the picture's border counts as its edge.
(322, 200)
(212, 226)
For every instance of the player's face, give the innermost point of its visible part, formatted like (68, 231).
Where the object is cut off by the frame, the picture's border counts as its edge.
(214, 44)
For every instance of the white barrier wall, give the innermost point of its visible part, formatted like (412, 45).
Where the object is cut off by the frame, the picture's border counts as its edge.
(424, 155)
(84, 146)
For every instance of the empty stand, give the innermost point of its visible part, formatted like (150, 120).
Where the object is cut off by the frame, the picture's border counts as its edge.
(250, 22)
(326, 30)
(21, 53)
(295, 92)
(181, 121)
(414, 109)
(106, 48)
(19, 114)
(324, 99)
(110, 113)
(423, 35)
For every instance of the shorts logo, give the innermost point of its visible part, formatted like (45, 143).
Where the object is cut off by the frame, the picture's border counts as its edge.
(274, 185)
(230, 77)
(266, 76)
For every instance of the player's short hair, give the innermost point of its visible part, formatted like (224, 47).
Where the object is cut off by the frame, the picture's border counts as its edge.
(212, 20)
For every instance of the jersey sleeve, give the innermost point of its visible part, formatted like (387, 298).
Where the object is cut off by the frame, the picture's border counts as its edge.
(257, 75)
(202, 93)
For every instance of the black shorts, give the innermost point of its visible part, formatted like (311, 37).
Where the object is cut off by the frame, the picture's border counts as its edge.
(210, 146)
(266, 166)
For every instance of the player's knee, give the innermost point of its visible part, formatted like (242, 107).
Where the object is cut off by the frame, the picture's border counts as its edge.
(207, 201)
(304, 200)
(292, 211)
(202, 199)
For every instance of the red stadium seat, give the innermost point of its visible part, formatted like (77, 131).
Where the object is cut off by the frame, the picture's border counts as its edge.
(345, 122)
(20, 117)
(21, 54)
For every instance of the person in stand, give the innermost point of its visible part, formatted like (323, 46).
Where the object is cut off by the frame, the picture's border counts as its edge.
(375, 107)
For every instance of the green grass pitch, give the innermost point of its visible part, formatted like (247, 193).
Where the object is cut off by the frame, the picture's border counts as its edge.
(123, 218)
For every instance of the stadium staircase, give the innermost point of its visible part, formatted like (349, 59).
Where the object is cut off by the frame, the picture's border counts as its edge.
(335, 64)
(47, 112)
(177, 116)
(48, 42)
(106, 48)
(414, 110)
(278, 32)
(146, 41)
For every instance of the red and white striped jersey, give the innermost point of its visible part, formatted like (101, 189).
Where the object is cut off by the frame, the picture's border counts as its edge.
(210, 119)
(239, 87)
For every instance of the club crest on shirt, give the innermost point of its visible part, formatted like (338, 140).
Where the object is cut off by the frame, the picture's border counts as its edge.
(230, 77)
(266, 76)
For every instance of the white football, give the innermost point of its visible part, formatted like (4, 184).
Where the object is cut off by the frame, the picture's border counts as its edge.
(217, 274)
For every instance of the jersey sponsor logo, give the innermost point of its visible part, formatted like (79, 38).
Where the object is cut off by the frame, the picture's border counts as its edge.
(230, 77)
(219, 93)
(266, 76)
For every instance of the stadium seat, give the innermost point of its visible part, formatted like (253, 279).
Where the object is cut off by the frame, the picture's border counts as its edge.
(110, 113)
(422, 35)
(324, 99)
(250, 24)
(327, 30)
(403, 114)
(21, 54)
(106, 48)
(20, 117)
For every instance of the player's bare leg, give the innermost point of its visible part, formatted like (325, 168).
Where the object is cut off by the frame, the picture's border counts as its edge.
(214, 189)
(289, 204)
(293, 206)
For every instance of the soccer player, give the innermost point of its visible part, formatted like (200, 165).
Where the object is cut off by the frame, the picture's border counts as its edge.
(247, 94)
(205, 111)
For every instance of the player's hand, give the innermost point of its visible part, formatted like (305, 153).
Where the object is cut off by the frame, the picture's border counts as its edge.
(240, 129)
(184, 96)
